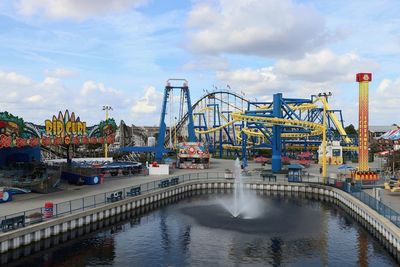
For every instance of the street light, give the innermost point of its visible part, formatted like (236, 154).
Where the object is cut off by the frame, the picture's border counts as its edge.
(106, 108)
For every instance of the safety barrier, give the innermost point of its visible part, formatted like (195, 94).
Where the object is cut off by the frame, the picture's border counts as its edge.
(84, 203)
(190, 182)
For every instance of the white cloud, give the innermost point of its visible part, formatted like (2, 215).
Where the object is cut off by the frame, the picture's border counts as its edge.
(148, 103)
(14, 79)
(251, 27)
(35, 99)
(50, 95)
(60, 73)
(252, 81)
(321, 69)
(74, 9)
(384, 101)
(325, 65)
(93, 87)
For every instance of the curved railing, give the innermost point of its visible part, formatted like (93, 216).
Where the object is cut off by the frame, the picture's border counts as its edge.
(97, 200)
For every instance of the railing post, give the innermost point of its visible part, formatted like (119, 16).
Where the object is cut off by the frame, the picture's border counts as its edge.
(83, 203)
(56, 210)
(94, 201)
(70, 207)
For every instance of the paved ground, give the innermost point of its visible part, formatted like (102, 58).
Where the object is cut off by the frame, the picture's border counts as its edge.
(71, 192)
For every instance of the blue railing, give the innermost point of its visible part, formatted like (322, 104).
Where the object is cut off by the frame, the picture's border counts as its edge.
(378, 206)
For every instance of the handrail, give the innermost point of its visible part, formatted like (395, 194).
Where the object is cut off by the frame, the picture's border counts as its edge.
(80, 204)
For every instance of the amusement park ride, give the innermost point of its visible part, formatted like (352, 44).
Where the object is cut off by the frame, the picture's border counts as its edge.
(232, 125)
(221, 122)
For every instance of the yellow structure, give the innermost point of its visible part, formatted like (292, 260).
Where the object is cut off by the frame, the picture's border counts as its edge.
(106, 108)
(363, 80)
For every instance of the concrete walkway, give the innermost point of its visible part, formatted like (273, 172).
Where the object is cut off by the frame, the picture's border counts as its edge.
(30, 201)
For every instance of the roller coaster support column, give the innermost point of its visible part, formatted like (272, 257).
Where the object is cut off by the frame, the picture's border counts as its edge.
(161, 134)
(324, 144)
(163, 126)
(276, 135)
(324, 99)
(191, 132)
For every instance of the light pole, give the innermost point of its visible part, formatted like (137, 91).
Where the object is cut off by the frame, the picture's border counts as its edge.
(106, 108)
(324, 99)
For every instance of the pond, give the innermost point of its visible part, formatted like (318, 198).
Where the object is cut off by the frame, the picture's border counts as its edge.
(288, 230)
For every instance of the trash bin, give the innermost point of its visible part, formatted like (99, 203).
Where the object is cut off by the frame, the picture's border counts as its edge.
(102, 175)
(48, 209)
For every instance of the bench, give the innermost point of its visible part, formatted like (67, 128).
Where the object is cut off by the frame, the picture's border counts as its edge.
(174, 181)
(12, 222)
(115, 196)
(164, 183)
(135, 191)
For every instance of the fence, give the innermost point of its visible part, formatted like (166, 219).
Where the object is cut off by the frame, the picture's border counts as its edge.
(81, 204)
(379, 207)
(69, 207)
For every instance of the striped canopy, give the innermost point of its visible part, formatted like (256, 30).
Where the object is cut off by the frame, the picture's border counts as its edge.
(391, 135)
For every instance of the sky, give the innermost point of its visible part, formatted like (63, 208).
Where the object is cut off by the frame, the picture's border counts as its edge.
(83, 54)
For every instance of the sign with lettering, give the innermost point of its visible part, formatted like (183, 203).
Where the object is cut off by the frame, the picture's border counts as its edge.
(65, 125)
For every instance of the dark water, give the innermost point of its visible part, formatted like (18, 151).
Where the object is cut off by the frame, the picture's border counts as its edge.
(196, 231)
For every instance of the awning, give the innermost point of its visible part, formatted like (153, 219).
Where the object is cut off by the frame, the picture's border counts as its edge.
(391, 135)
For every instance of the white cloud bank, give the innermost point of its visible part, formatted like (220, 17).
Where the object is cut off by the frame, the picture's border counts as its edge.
(314, 70)
(149, 103)
(36, 101)
(74, 9)
(251, 27)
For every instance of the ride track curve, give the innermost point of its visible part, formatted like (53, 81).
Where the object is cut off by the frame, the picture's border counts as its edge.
(209, 95)
(313, 128)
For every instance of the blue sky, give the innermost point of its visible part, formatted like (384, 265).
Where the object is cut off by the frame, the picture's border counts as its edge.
(81, 55)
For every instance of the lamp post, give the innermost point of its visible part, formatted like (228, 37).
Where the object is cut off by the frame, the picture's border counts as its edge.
(324, 98)
(106, 108)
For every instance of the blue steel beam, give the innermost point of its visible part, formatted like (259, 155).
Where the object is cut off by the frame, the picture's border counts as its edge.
(276, 130)
(191, 133)
(163, 127)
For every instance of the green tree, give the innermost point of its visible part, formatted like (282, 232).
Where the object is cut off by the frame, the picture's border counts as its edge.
(350, 130)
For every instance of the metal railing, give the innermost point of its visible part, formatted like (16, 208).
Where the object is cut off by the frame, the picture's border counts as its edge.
(97, 200)
(379, 207)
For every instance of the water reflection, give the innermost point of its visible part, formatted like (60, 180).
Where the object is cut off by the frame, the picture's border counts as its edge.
(295, 231)
(276, 251)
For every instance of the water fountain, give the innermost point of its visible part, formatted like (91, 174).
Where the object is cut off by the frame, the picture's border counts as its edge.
(238, 195)
(243, 204)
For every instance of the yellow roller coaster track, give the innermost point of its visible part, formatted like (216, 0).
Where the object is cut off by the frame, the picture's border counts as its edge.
(315, 128)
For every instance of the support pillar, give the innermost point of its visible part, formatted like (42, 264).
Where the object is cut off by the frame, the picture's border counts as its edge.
(276, 135)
